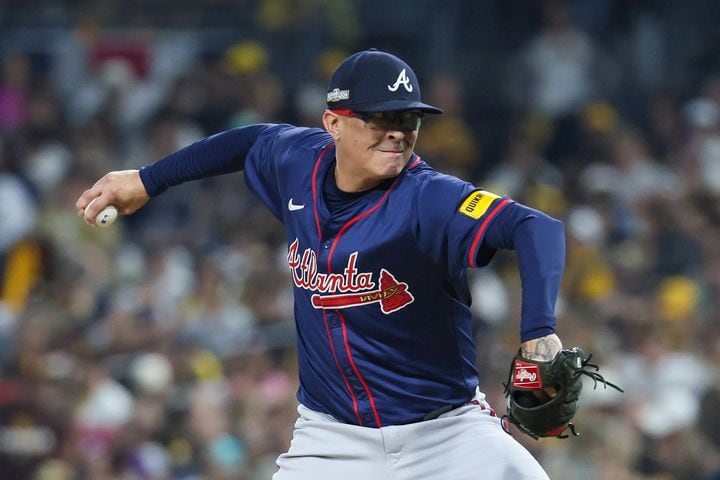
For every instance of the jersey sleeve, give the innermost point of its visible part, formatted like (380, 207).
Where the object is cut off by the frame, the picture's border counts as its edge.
(467, 225)
(453, 217)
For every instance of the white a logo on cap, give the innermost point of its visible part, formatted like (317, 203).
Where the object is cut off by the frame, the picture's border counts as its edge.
(403, 80)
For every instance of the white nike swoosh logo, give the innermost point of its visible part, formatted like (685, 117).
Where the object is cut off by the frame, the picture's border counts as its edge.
(292, 207)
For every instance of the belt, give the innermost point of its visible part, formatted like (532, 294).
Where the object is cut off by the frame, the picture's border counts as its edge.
(439, 411)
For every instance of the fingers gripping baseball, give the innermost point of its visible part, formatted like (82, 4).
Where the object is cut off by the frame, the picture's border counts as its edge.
(123, 190)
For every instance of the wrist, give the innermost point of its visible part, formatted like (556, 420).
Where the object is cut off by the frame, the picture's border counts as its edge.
(541, 349)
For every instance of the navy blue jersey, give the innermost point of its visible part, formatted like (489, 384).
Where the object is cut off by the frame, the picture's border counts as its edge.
(381, 298)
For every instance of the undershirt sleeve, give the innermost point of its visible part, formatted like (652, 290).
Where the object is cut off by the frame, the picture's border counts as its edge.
(539, 244)
(222, 153)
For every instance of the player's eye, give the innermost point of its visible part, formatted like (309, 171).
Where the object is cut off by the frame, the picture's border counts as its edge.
(405, 120)
(411, 118)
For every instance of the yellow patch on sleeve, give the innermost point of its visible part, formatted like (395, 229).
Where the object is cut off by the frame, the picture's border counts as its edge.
(477, 203)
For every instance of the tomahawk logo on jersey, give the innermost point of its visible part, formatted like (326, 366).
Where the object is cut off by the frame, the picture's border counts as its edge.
(392, 295)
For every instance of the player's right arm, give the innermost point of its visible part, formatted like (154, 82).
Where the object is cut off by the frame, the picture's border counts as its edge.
(129, 190)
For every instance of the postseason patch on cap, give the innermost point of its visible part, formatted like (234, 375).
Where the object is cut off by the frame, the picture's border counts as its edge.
(477, 203)
(336, 95)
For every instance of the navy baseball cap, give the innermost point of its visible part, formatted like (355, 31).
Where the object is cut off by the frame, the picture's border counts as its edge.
(375, 81)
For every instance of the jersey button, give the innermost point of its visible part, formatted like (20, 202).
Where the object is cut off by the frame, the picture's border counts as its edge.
(361, 396)
(368, 417)
(333, 321)
(348, 372)
(326, 244)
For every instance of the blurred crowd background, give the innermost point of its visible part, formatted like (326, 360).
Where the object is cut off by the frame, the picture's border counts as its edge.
(162, 348)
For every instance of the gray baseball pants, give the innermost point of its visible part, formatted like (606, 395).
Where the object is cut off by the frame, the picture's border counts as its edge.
(463, 444)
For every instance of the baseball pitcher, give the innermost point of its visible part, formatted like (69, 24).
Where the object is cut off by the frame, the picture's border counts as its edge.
(378, 243)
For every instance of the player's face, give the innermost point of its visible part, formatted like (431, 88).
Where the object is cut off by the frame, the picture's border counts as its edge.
(378, 145)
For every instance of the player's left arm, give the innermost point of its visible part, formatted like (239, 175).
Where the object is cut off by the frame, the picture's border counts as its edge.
(539, 244)
(541, 349)
(544, 383)
(466, 225)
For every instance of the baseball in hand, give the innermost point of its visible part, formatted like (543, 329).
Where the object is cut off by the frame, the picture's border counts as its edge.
(106, 216)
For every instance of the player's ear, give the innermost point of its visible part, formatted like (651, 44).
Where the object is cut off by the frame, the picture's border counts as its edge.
(331, 122)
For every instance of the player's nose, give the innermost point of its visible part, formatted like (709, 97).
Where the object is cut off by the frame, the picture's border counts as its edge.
(396, 134)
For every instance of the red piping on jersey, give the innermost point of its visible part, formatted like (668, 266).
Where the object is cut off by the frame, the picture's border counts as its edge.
(481, 231)
(357, 372)
(415, 163)
(357, 219)
(347, 383)
(327, 327)
(314, 188)
(342, 318)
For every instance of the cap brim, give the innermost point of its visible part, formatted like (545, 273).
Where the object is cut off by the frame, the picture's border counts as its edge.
(395, 105)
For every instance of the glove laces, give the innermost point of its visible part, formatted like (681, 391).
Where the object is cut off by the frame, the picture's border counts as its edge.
(596, 377)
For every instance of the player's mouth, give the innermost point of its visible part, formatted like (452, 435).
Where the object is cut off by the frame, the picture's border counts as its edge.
(394, 149)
